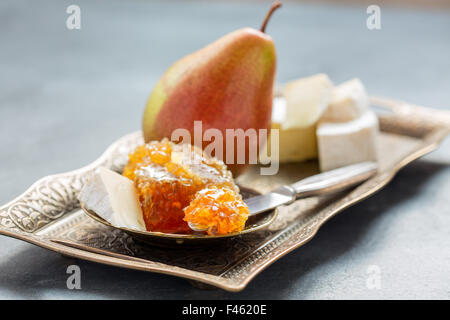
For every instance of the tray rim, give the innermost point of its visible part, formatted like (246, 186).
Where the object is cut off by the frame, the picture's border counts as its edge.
(430, 143)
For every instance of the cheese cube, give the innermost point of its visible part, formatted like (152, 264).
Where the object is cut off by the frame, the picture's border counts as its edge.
(345, 143)
(348, 101)
(306, 100)
(298, 144)
(295, 117)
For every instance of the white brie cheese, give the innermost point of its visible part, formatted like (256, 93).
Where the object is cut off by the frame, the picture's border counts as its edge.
(345, 143)
(306, 100)
(114, 198)
(348, 101)
(294, 145)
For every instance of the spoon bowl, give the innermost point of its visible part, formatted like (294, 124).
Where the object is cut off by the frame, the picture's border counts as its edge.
(253, 224)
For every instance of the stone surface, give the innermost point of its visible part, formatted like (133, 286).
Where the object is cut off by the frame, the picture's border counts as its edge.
(66, 95)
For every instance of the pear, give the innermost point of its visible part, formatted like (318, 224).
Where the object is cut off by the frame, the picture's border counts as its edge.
(227, 85)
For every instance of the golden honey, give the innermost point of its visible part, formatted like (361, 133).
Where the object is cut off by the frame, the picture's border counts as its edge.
(218, 210)
(178, 183)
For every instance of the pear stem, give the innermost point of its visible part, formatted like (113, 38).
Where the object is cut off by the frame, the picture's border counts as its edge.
(273, 7)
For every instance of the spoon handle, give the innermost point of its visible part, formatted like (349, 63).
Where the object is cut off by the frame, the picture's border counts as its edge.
(327, 182)
(334, 180)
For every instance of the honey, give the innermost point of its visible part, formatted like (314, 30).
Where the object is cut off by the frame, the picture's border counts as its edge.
(171, 177)
(218, 210)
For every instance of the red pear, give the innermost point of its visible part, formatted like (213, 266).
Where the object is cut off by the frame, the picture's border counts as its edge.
(226, 85)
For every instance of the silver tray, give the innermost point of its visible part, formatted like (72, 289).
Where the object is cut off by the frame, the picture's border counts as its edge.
(48, 213)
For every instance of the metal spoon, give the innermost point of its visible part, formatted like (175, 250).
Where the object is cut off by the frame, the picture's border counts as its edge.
(328, 182)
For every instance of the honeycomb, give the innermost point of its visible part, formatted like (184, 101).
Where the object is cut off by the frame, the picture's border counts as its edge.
(168, 177)
(218, 210)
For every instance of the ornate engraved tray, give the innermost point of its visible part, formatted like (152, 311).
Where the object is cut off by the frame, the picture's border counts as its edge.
(48, 213)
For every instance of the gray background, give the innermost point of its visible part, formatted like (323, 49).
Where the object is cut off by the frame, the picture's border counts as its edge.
(66, 95)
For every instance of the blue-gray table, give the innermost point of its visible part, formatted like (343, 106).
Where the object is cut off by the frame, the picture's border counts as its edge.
(65, 95)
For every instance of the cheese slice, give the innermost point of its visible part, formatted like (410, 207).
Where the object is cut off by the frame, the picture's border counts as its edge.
(345, 143)
(306, 100)
(294, 145)
(348, 101)
(114, 198)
